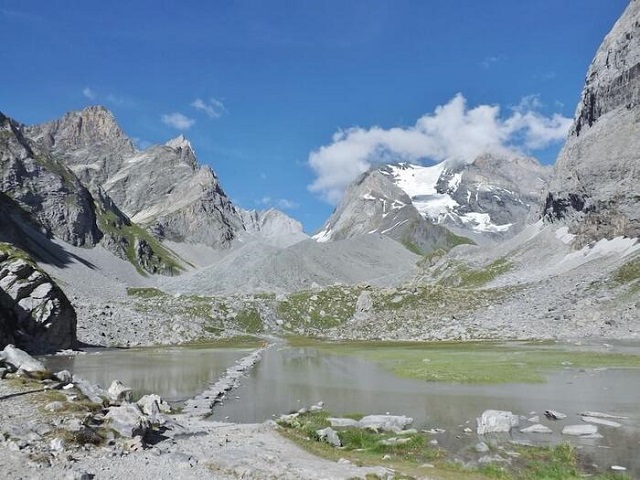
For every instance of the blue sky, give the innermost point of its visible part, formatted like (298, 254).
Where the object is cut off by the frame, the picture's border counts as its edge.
(288, 100)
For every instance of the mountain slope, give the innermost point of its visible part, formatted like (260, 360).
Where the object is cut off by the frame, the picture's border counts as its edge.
(491, 198)
(595, 186)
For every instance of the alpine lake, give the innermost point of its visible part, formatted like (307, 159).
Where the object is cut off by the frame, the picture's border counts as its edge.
(442, 386)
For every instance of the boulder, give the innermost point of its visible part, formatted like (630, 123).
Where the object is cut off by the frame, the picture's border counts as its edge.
(496, 421)
(537, 428)
(128, 420)
(152, 404)
(20, 360)
(343, 422)
(602, 421)
(388, 423)
(118, 393)
(580, 430)
(93, 392)
(330, 436)
(553, 415)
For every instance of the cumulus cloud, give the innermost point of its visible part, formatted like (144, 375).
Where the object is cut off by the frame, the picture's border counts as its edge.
(213, 108)
(178, 120)
(453, 132)
(87, 92)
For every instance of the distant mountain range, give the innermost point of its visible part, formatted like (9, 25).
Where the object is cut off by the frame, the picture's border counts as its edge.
(81, 206)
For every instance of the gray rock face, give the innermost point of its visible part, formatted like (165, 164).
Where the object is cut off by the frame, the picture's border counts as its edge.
(491, 199)
(373, 204)
(165, 189)
(37, 311)
(506, 192)
(272, 226)
(89, 141)
(44, 188)
(595, 186)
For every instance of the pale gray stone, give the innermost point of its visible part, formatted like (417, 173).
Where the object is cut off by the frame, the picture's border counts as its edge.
(496, 421)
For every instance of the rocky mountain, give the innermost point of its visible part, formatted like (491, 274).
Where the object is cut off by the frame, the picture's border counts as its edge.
(595, 186)
(44, 188)
(273, 226)
(490, 199)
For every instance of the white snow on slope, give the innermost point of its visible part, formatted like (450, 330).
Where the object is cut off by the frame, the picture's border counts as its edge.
(420, 184)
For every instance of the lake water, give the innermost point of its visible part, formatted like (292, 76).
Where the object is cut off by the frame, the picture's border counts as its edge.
(289, 378)
(174, 373)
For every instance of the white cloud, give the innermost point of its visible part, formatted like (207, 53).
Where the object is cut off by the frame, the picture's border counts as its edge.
(452, 132)
(90, 94)
(488, 62)
(178, 120)
(280, 203)
(213, 108)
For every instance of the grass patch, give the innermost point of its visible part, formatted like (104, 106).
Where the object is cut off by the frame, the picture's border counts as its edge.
(629, 272)
(240, 341)
(145, 292)
(466, 277)
(316, 311)
(475, 362)
(249, 320)
(121, 228)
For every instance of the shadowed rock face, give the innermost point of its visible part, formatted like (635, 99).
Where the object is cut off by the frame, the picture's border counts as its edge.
(595, 187)
(34, 312)
(45, 188)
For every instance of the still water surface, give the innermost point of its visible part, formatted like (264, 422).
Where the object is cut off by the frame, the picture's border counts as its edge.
(289, 378)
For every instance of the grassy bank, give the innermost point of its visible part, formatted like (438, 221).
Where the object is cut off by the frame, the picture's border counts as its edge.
(473, 362)
(416, 458)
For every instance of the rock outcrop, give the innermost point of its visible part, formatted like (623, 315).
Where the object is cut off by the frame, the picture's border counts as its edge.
(45, 188)
(33, 310)
(595, 186)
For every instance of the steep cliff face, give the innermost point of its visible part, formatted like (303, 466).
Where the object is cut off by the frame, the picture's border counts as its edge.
(163, 188)
(34, 312)
(90, 142)
(45, 188)
(595, 186)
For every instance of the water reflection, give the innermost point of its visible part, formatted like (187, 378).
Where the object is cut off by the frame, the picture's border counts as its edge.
(175, 373)
(289, 378)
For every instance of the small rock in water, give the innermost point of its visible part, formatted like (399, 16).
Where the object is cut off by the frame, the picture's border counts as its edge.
(553, 415)
(580, 430)
(618, 468)
(537, 428)
(601, 421)
(496, 421)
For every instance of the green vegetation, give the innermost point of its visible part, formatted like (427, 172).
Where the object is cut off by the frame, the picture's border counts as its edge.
(629, 272)
(416, 459)
(14, 252)
(317, 311)
(477, 362)
(363, 447)
(145, 292)
(454, 240)
(127, 233)
(433, 298)
(466, 277)
(249, 320)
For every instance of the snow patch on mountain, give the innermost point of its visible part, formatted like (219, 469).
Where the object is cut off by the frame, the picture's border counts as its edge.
(421, 185)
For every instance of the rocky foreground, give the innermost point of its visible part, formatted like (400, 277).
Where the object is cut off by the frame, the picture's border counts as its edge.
(60, 426)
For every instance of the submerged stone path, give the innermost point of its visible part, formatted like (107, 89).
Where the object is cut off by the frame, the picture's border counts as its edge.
(202, 405)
